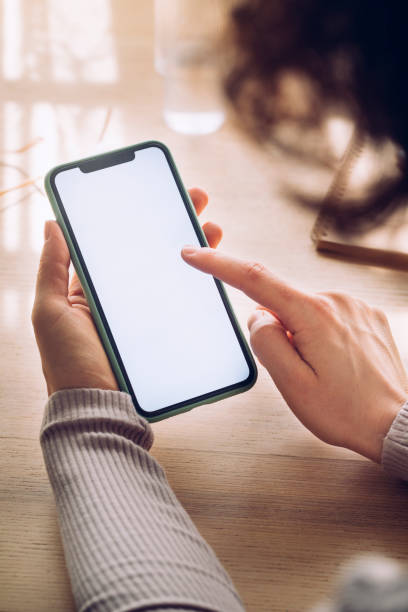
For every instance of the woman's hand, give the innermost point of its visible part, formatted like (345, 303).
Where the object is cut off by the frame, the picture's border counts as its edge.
(71, 352)
(332, 357)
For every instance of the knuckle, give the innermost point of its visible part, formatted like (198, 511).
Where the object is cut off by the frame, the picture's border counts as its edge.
(340, 299)
(263, 330)
(337, 296)
(35, 313)
(37, 319)
(326, 310)
(39, 314)
(380, 315)
(343, 302)
(42, 266)
(253, 271)
(260, 330)
(323, 304)
(361, 305)
(33, 316)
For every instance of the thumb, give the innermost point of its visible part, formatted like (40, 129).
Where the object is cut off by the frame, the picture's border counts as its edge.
(276, 353)
(53, 273)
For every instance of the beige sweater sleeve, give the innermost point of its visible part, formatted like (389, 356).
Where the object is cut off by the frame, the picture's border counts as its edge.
(395, 447)
(128, 543)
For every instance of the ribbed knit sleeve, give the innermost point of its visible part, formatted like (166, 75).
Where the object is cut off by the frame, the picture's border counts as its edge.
(128, 543)
(395, 447)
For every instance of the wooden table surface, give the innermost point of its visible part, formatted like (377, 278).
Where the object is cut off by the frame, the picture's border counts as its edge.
(281, 509)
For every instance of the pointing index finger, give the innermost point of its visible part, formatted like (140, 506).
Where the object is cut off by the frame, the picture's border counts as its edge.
(256, 281)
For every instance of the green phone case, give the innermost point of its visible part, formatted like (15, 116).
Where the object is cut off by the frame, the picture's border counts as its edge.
(89, 295)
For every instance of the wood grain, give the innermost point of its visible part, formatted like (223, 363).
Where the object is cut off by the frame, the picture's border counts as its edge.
(281, 509)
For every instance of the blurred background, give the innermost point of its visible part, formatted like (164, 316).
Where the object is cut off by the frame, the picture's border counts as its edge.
(80, 78)
(75, 82)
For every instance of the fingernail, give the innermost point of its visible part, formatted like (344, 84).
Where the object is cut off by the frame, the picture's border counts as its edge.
(47, 229)
(265, 312)
(189, 250)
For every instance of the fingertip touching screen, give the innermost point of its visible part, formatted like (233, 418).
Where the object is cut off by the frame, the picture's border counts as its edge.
(169, 322)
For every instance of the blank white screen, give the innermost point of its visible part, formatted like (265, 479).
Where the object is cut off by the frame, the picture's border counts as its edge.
(168, 320)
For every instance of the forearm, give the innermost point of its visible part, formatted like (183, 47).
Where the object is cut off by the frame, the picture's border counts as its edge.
(128, 543)
(395, 447)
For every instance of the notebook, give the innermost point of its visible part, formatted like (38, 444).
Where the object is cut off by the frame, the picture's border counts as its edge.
(363, 165)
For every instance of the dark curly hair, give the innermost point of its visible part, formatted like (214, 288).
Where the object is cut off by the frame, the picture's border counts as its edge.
(297, 60)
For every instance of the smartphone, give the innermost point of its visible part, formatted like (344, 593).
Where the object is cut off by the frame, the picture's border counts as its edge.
(169, 330)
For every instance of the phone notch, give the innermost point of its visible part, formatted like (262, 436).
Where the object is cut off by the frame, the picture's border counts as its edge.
(106, 161)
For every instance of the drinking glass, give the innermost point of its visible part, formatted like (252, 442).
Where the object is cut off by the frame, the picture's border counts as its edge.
(187, 53)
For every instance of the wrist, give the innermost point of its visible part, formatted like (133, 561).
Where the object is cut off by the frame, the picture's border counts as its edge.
(395, 448)
(372, 446)
(79, 379)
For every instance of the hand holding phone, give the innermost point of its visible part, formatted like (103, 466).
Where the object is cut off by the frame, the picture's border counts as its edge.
(71, 351)
(169, 332)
